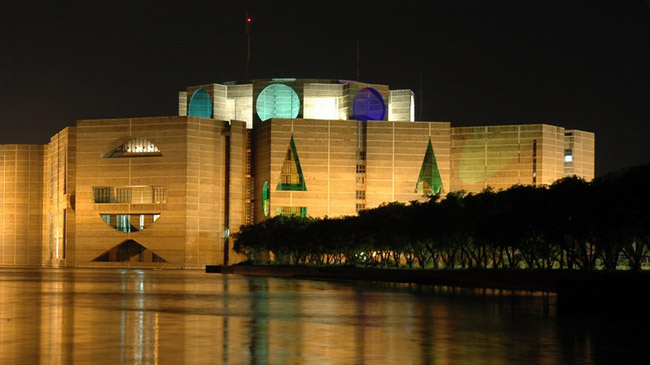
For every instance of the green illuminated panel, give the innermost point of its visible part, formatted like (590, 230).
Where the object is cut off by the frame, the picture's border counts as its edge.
(429, 181)
(277, 101)
(266, 198)
(297, 211)
(291, 178)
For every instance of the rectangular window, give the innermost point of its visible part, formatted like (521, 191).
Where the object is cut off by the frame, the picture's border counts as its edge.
(297, 211)
(360, 207)
(123, 195)
(568, 155)
(123, 222)
(159, 195)
(361, 168)
(361, 194)
(141, 194)
(102, 194)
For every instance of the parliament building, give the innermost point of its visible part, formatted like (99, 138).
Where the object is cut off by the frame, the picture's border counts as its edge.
(170, 191)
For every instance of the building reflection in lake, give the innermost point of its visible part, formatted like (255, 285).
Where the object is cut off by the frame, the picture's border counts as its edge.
(58, 316)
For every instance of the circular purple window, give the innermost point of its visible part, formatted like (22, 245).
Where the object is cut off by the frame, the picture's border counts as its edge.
(368, 105)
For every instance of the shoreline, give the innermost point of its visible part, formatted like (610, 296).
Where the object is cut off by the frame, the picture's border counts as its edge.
(579, 293)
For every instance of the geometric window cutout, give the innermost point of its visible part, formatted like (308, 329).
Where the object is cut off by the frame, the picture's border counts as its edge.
(129, 251)
(429, 181)
(289, 211)
(200, 104)
(266, 199)
(138, 194)
(368, 104)
(130, 222)
(277, 101)
(291, 178)
(137, 147)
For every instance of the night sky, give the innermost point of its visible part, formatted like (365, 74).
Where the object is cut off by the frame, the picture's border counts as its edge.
(576, 64)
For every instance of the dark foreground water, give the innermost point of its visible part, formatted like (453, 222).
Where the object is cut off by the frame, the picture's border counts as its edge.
(53, 316)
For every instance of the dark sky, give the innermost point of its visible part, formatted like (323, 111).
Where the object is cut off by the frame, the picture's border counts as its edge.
(577, 64)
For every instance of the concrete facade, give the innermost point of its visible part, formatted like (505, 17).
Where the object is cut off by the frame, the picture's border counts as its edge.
(502, 156)
(170, 191)
(21, 204)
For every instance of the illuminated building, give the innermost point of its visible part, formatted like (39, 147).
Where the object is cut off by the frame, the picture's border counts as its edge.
(168, 191)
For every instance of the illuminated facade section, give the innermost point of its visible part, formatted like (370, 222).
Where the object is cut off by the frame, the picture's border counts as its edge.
(21, 204)
(324, 99)
(200, 104)
(429, 181)
(502, 156)
(277, 101)
(579, 157)
(266, 199)
(368, 104)
(291, 177)
(168, 191)
(401, 106)
(137, 147)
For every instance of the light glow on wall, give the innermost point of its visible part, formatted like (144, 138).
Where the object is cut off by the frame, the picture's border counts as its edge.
(412, 112)
(322, 108)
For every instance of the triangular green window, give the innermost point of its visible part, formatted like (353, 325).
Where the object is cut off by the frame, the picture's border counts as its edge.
(129, 251)
(429, 181)
(291, 178)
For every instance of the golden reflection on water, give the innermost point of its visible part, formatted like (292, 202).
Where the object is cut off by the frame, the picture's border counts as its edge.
(56, 316)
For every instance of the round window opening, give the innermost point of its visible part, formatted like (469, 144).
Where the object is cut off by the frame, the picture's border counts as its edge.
(277, 101)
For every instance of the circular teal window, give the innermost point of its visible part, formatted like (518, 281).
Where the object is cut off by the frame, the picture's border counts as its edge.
(277, 101)
(266, 198)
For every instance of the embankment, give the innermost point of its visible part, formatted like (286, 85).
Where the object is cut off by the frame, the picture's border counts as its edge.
(578, 292)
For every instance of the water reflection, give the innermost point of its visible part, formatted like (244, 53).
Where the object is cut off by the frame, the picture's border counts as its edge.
(58, 316)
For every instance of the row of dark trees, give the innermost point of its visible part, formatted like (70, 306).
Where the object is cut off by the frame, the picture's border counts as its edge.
(571, 224)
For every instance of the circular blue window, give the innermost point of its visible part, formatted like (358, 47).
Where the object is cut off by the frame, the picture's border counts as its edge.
(277, 101)
(368, 105)
(200, 104)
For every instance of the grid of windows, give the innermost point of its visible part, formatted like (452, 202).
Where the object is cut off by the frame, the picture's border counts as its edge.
(297, 211)
(123, 195)
(102, 194)
(130, 195)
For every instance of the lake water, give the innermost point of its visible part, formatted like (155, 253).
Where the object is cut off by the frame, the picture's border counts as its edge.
(62, 316)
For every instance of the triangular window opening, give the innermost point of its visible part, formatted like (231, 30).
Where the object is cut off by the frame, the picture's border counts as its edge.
(129, 251)
(291, 178)
(429, 181)
(137, 147)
